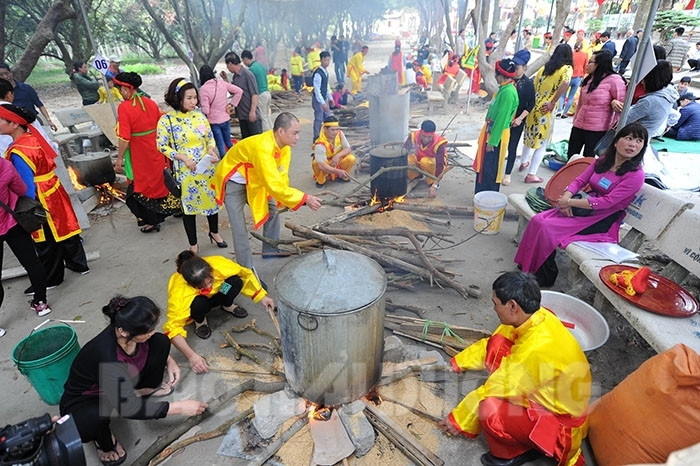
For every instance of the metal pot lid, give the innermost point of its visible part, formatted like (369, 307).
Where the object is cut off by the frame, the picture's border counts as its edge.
(330, 282)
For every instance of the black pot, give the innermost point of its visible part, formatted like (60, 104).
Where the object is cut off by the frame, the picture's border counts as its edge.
(393, 183)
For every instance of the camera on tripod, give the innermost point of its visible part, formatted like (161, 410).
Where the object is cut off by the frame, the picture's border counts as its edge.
(40, 442)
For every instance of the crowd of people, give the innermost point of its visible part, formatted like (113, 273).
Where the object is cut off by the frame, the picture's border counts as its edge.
(184, 163)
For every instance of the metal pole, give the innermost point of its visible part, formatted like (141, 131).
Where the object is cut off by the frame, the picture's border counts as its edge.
(94, 50)
(519, 39)
(549, 18)
(641, 50)
(477, 42)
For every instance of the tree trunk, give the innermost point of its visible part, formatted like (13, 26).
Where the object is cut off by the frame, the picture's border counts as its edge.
(3, 40)
(60, 11)
(640, 18)
(446, 8)
(488, 74)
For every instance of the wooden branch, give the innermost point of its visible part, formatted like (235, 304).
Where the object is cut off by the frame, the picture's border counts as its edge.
(219, 431)
(248, 354)
(271, 449)
(214, 405)
(251, 325)
(382, 259)
(383, 170)
(403, 439)
(390, 306)
(370, 209)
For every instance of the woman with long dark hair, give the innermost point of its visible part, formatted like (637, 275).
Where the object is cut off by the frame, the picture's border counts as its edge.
(122, 370)
(58, 242)
(551, 82)
(614, 180)
(185, 137)
(213, 98)
(601, 91)
(146, 196)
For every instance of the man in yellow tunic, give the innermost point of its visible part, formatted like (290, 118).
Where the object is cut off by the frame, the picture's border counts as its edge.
(356, 68)
(535, 399)
(256, 171)
(331, 158)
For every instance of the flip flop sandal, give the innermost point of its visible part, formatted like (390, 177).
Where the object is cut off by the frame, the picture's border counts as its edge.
(523, 166)
(238, 311)
(162, 391)
(116, 462)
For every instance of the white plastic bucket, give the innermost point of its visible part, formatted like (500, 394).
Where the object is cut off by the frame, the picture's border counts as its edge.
(489, 208)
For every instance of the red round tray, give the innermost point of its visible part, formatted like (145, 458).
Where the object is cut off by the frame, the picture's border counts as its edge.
(662, 296)
(564, 176)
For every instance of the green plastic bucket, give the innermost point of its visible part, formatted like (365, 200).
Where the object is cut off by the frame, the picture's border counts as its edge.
(45, 357)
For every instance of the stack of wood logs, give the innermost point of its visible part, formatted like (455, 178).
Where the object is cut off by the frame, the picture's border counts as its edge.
(285, 100)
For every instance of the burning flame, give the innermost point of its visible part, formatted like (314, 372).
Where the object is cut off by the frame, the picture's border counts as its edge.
(388, 204)
(320, 413)
(108, 192)
(74, 179)
(374, 397)
(375, 200)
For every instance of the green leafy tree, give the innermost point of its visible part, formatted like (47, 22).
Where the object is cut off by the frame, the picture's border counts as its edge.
(667, 21)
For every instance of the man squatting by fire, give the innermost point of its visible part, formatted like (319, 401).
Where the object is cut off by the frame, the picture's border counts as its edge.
(427, 152)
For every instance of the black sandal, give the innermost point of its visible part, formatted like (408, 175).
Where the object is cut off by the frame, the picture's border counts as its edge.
(150, 228)
(116, 462)
(203, 331)
(237, 311)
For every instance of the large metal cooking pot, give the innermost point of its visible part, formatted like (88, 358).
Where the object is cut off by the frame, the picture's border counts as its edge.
(331, 312)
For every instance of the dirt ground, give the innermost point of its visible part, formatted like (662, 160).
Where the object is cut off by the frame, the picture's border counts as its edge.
(132, 263)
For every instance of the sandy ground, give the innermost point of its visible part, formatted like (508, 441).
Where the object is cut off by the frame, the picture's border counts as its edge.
(132, 263)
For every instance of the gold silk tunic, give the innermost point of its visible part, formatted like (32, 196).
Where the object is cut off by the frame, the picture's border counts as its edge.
(265, 168)
(181, 294)
(545, 368)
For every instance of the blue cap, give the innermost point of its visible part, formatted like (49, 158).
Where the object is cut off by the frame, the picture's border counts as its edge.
(521, 57)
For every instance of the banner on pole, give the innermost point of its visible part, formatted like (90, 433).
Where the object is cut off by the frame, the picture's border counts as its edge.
(100, 63)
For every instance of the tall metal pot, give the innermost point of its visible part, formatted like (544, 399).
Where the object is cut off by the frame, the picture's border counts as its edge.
(331, 312)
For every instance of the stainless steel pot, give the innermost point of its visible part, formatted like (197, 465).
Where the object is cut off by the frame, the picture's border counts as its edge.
(331, 311)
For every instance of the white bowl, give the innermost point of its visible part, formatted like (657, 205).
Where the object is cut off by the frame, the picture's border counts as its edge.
(589, 327)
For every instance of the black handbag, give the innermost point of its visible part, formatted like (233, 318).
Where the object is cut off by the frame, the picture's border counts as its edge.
(604, 142)
(578, 211)
(171, 183)
(28, 213)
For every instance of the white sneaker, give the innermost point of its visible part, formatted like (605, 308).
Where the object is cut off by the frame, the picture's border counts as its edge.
(2, 332)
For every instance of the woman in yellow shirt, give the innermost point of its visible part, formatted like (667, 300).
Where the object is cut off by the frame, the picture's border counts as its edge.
(199, 285)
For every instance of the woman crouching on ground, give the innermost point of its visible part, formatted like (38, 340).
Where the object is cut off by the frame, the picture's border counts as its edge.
(122, 369)
(199, 285)
(614, 179)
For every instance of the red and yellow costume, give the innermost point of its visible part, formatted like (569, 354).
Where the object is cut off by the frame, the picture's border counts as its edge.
(181, 294)
(536, 394)
(451, 69)
(265, 168)
(332, 148)
(431, 157)
(356, 68)
(49, 191)
(137, 122)
(396, 63)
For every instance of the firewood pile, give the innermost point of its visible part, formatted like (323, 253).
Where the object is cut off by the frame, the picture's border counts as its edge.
(285, 100)
(352, 115)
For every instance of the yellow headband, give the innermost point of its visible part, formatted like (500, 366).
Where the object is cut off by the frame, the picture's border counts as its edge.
(330, 124)
(180, 84)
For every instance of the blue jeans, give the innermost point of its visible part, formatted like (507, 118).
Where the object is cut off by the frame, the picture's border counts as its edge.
(340, 71)
(222, 137)
(573, 87)
(297, 83)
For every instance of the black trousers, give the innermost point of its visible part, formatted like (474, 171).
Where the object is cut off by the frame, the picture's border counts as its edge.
(515, 133)
(55, 256)
(86, 410)
(583, 139)
(201, 305)
(546, 275)
(190, 223)
(22, 245)
(250, 128)
(486, 179)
